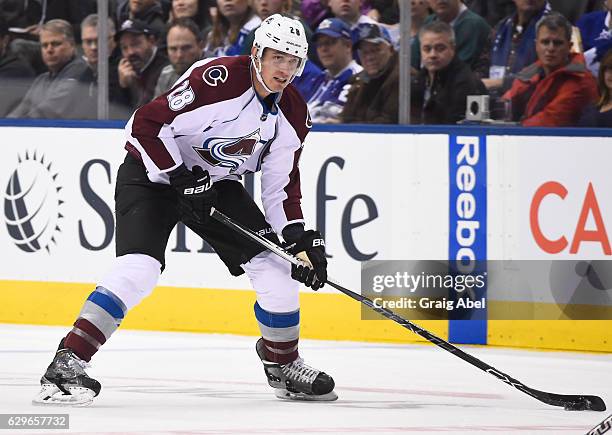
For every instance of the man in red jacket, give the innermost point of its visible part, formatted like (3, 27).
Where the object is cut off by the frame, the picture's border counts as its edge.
(553, 91)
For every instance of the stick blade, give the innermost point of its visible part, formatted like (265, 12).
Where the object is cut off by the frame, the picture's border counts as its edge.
(584, 403)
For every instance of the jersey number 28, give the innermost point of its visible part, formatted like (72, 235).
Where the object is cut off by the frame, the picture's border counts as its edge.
(181, 97)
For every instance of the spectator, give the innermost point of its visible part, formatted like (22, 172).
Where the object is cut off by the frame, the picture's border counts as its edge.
(572, 10)
(196, 10)
(513, 46)
(596, 31)
(141, 62)
(265, 8)
(15, 74)
(385, 11)
(184, 45)
(554, 90)
(233, 22)
(53, 93)
(73, 11)
(593, 24)
(315, 11)
(373, 97)
(440, 89)
(28, 15)
(471, 33)
(328, 93)
(22, 14)
(89, 78)
(419, 12)
(491, 10)
(305, 82)
(148, 11)
(349, 11)
(600, 114)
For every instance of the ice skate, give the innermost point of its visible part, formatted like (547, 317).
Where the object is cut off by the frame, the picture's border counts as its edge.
(65, 382)
(296, 380)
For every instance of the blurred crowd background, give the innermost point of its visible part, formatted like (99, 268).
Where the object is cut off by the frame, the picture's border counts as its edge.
(542, 63)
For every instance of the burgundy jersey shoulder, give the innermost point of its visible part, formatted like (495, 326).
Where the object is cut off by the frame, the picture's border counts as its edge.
(295, 110)
(224, 78)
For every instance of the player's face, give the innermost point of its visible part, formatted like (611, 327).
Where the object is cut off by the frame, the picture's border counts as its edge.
(277, 68)
(184, 8)
(436, 51)
(374, 56)
(265, 8)
(183, 48)
(529, 6)
(56, 50)
(137, 49)
(553, 48)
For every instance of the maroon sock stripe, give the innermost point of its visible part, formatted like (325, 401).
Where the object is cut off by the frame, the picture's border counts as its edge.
(81, 347)
(84, 339)
(281, 352)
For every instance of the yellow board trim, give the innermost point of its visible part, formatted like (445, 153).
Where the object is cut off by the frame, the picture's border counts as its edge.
(324, 316)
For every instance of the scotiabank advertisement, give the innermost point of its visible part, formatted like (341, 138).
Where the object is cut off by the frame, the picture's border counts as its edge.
(373, 196)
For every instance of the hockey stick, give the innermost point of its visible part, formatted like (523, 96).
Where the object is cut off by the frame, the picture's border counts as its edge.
(567, 401)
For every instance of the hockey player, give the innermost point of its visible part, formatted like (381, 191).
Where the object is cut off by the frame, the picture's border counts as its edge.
(187, 151)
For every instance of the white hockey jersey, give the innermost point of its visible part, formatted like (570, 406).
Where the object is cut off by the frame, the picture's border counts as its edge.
(213, 118)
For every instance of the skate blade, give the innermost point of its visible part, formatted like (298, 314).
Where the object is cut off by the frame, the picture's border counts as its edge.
(288, 395)
(50, 395)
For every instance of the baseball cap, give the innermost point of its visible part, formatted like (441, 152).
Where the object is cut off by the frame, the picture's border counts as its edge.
(137, 27)
(334, 27)
(372, 33)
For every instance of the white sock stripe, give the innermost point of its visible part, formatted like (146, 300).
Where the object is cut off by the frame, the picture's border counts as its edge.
(279, 334)
(100, 318)
(282, 351)
(88, 338)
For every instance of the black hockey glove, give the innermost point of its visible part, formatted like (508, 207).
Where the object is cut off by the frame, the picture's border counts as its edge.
(309, 247)
(196, 193)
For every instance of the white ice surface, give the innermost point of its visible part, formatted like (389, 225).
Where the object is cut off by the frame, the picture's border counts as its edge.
(154, 382)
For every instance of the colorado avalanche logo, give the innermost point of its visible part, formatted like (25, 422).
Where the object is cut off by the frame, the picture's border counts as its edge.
(229, 152)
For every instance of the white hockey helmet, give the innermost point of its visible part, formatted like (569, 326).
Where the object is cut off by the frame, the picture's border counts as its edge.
(283, 34)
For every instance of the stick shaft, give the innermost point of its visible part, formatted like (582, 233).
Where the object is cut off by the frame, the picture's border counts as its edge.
(569, 401)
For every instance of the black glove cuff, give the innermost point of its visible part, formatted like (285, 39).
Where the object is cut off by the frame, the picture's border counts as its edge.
(293, 232)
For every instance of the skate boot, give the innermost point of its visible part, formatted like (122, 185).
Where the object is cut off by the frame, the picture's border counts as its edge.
(65, 382)
(296, 380)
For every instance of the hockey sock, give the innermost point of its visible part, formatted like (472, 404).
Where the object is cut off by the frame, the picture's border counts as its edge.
(280, 332)
(101, 315)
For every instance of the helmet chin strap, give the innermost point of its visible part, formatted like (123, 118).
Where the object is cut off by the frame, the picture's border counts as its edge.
(255, 61)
